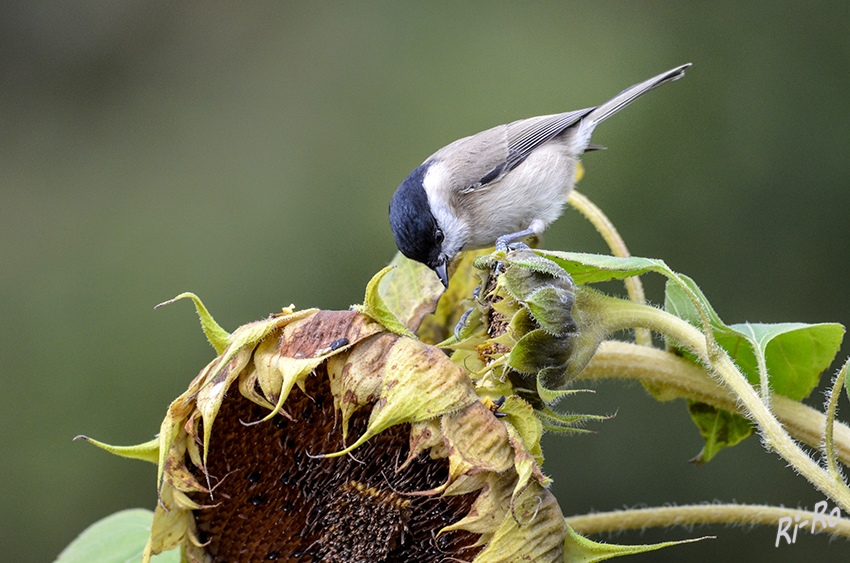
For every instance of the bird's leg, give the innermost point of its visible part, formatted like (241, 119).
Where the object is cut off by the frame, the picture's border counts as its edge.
(504, 241)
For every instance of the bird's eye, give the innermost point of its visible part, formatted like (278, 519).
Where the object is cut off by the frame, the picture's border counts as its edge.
(438, 236)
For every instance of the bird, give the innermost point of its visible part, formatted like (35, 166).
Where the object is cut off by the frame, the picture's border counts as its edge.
(499, 185)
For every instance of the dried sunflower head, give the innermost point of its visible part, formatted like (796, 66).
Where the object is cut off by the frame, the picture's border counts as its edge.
(339, 436)
(324, 436)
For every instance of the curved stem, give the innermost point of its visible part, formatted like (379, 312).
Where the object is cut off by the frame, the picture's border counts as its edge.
(829, 426)
(615, 242)
(620, 314)
(689, 515)
(672, 377)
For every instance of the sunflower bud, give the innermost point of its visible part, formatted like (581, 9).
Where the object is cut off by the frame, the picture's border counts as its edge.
(524, 314)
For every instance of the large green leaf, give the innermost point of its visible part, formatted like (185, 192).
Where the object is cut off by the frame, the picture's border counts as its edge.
(789, 356)
(118, 538)
(793, 354)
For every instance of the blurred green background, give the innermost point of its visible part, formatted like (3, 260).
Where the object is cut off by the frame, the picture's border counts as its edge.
(247, 152)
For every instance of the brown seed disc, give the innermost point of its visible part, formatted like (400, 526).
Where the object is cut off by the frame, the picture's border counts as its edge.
(276, 503)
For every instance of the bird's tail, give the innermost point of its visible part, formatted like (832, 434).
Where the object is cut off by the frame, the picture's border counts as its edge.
(629, 95)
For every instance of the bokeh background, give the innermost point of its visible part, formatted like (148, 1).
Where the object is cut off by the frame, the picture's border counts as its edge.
(248, 151)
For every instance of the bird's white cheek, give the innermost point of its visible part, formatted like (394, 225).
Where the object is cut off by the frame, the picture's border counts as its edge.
(436, 183)
(438, 188)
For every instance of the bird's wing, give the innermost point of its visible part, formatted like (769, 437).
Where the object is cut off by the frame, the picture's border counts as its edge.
(518, 140)
(526, 135)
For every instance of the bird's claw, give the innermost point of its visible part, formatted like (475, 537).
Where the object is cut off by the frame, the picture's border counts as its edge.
(518, 245)
(460, 324)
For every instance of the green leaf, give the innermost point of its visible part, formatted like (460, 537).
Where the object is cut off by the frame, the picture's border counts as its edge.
(149, 451)
(790, 357)
(411, 291)
(118, 538)
(578, 549)
(376, 308)
(678, 302)
(719, 427)
(591, 268)
(793, 354)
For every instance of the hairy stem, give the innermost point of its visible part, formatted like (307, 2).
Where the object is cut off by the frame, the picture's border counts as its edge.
(673, 377)
(620, 314)
(829, 426)
(615, 242)
(689, 515)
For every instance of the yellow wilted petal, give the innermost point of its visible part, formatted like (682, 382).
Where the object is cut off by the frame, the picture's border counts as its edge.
(208, 400)
(304, 344)
(183, 480)
(248, 388)
(376, 308)
(476, 441)
(251, 333)
(170, 525)
(278, 374)
(521, 415)
(490, 507)
(183, 502)
(246, 337)
(466, 484)
(419, 383)
(177, 474)
(172, 425)
(538, 536)
(356, 377)
(426, 435)
(410, 290)
(524, 465)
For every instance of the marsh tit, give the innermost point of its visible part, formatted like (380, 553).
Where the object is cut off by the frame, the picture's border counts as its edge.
(499, 185)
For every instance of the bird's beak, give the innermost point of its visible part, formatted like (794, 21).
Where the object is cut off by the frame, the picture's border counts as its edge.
(443, 274)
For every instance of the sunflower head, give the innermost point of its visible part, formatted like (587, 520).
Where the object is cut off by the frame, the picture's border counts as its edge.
(338, 436)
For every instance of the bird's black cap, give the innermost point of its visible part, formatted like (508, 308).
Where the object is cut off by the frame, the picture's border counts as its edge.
(413, 224)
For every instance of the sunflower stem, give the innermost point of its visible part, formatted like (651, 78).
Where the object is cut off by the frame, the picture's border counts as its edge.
(615, 242)
(618, 314)
(829, 427)
(690, 515)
